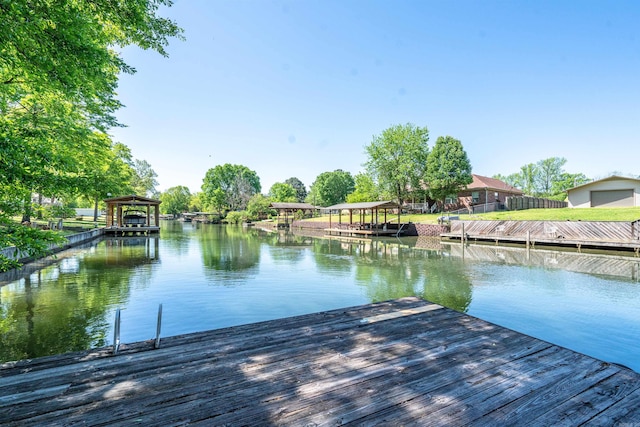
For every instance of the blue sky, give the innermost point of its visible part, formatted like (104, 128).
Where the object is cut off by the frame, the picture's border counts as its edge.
(297, 88)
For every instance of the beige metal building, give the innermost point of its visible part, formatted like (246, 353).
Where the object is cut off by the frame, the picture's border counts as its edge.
(614, 191)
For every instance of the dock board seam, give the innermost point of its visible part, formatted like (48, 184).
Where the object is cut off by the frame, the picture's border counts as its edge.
(400, 313)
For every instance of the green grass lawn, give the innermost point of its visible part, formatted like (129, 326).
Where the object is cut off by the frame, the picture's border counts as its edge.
(561, 214)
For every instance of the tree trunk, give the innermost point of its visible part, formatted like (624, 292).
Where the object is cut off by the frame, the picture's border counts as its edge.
(39, 213)
(26, 214)
(95, 210)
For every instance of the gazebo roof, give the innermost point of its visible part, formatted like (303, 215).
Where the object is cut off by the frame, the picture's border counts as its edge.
(291, 205)
(364, 205)
(133, 200)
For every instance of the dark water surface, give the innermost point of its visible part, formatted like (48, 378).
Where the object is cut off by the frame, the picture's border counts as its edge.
(210, 276)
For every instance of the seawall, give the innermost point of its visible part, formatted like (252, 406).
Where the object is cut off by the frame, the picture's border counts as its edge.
(72, 240)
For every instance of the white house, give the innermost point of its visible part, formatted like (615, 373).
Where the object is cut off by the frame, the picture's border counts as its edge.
(614, 191)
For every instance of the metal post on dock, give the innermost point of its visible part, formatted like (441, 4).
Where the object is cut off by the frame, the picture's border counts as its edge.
(462, 235)
(116, 333)
(157, 342)
(528, 238)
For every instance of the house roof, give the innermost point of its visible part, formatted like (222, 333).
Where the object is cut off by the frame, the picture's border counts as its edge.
(365, 205)
(484, 182)
(610, 178)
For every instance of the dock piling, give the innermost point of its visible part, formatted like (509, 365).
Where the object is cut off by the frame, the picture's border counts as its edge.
(116, 333)
(157, 341)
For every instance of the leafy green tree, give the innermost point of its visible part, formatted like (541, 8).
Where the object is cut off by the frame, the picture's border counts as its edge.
(175, 200)
(396, 159)
(29, 241)
(258, 207)
(236, 217)
(301, 190)
(230, 186)
(66, 49)
(111, 177)
(59, 71)
(565, 182)
(195, 203)
(549, 171)
(545, 178)
(448, 168)
(217, 200)
(280, 192)
(527, 179)
(331, 188)
(144, 178)
(43, 145)
(365, 190)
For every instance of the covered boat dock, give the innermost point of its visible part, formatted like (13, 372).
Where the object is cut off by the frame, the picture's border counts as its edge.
(132, 214)
(287, 211)
(367, 225)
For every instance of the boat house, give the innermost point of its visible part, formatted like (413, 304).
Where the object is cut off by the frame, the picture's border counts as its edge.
(132, 214)
(369, 223)
(287, 211)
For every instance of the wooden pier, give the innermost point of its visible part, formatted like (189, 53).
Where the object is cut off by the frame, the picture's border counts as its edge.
(366, 229)
(615, 235)
(124, 231)
(362, 232)
(404, 362)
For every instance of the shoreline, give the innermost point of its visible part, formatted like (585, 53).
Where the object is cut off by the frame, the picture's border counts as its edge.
(73, 240)
(604, 235)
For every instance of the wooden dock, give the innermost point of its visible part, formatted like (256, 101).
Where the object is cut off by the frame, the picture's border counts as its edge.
(359, 232)
(365, 231)
(123, 231)
(616, 235)
(404, 362)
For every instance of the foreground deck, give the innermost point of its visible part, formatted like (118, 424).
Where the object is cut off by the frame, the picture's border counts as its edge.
(405, 362)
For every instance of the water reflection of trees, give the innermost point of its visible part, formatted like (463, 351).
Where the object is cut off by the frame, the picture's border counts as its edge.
(176, 236)
(63, 307)
(390, 270)
(229, 253)
(333, 256)
(286, 247)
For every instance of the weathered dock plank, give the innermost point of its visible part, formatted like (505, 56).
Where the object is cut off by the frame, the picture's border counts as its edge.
(393, 363)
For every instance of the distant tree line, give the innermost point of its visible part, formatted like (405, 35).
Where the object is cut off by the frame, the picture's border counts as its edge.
(546, 178)
(399, 166)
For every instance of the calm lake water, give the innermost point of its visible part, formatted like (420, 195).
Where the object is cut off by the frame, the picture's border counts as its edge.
(209, 276)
